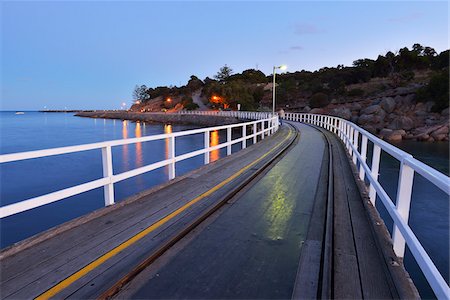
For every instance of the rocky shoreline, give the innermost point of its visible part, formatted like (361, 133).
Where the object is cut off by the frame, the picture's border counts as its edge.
(172, 118)
(394, 118)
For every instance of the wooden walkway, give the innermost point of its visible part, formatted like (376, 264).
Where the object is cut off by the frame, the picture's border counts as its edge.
(84, 257)
(243, 227)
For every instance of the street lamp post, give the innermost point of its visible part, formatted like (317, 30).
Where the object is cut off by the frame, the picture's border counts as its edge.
(282, 67)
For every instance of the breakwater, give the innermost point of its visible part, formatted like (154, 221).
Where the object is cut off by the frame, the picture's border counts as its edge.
(173, 118)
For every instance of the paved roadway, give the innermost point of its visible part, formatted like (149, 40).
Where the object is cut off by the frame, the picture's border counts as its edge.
(251, 249)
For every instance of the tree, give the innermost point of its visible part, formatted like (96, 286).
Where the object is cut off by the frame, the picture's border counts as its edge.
(194, 83)
(223, 73)
(437, 90)
(140, 93)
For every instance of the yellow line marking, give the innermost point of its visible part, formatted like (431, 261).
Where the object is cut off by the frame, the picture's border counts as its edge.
(99, 261)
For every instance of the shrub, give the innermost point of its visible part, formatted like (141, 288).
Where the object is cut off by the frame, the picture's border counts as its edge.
(355, 93)
(191, 106)
(319, 100)
(437, 90)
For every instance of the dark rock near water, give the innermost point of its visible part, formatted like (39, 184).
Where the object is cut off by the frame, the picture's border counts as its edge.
(388, 104)
(370, 110)
(341, 112)
(402, 122)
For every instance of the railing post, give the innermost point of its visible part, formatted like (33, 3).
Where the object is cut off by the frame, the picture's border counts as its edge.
(172, 157)
(374, 171)
(108, 173)
(362, 173)
(352, 139)
(229, 140)
(244, 136)
(355, 143)
(346, 131)
(255, 137)
(262, 130)
(403, 203)
(207, 147)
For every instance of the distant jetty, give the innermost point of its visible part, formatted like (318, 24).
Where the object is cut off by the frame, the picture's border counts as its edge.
(66, 110)
(174, 118)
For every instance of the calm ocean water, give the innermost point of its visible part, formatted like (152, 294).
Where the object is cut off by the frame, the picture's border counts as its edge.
(33, 131)
(30, 178)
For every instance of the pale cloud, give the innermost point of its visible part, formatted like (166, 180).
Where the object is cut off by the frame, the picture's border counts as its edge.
(296, 48)
(306, 28)
(406, 18)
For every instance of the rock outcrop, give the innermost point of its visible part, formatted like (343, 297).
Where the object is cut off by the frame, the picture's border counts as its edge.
(394, 116)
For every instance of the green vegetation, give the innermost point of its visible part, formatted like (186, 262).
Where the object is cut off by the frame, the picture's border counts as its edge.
(319, 100)
(437, 90)
(248, 88)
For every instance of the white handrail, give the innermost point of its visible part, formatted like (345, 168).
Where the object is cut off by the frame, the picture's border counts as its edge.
(349, 134)
(264, 124)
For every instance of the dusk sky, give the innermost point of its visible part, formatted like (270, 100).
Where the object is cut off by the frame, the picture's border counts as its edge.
(90, 55)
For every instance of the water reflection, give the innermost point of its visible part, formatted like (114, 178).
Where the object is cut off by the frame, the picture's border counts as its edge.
(138, 134)
(167, 129)
(125, 136)
(214, 141)
(279, 211)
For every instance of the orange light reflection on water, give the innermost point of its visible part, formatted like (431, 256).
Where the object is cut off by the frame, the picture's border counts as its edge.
(214, 141)
(138, 134)
(125, 136)
(167, 129)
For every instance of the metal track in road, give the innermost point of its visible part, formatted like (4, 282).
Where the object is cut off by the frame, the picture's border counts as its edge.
(116, 287)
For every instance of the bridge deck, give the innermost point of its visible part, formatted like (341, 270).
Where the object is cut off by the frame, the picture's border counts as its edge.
(41, 263)
(267, 241)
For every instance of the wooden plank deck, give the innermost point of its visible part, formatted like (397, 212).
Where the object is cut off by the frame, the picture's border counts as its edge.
(267, 241)
(39, 263)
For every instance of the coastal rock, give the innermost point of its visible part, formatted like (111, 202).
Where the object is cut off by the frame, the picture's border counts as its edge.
(341, 112)
(421, 113)
(356, 106)
(388, 104)
(317, 111)
(354, 119)
(408, 99)
(408, 136)
(426, 129)
(422, 137)
(392, 135)
(385, 132)
(307, 109)
(365, 119)
(370, 128)
(439, 137)
(403, 122)
(429, 105)
(431, 121)
(376, 101)
(420, 107)
(381, 115)
(395, 136)
(445, 112)
(370, 110)
(440, 134)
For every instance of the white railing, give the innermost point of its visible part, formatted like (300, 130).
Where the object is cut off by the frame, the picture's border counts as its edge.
(251, 115)
(350, 134)
(264, 125)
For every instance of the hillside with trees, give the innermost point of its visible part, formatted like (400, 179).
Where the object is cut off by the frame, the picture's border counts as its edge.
(419, 73)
